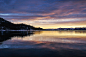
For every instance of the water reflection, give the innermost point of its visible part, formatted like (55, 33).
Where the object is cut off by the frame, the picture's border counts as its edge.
(44, 39)
(40, 43)
(9, 34)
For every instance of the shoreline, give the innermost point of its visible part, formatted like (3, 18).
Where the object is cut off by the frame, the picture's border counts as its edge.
(42, 30)
(19, 30)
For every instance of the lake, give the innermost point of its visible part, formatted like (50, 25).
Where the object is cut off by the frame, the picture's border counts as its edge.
(43, 43)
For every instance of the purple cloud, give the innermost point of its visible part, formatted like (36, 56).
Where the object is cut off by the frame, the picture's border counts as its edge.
(33, 9)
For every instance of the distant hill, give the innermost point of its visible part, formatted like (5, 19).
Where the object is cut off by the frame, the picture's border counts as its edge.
(6, 25)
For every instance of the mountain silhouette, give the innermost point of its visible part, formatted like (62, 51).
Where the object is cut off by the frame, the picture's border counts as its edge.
(6, 25)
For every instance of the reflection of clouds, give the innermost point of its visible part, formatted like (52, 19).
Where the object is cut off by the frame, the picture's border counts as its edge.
(57, 36)
(54, 39)
(49, 39)
(40, 44)
(63, 33)
(59, 46)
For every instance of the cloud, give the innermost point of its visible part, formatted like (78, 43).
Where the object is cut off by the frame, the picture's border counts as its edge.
(43, 10)
(57, 21)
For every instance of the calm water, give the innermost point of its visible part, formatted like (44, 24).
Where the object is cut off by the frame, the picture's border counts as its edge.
(44, 43)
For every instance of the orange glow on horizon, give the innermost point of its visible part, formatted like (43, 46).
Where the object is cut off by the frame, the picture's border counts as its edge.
(50, 25)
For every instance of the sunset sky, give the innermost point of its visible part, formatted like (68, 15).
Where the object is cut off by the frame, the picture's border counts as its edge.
(45, 13)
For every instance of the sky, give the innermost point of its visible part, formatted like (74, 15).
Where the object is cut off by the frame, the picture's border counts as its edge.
(45, 13)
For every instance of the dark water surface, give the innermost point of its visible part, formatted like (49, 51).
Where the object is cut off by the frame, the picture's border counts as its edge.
(43, 43)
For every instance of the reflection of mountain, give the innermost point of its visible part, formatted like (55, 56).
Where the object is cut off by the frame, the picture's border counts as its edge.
(80, 32)
(8, 35)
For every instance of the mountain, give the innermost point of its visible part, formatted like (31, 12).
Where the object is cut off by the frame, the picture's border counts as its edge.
(6, 25)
